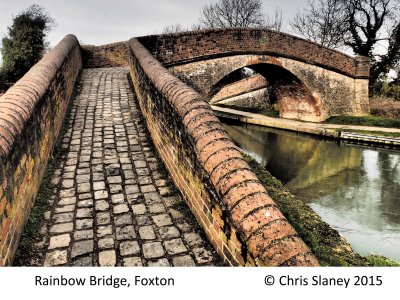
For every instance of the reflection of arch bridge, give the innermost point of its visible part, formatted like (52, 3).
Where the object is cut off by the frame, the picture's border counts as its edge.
(308, 81)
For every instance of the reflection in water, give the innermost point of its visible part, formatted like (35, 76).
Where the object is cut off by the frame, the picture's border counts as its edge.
(355, 190)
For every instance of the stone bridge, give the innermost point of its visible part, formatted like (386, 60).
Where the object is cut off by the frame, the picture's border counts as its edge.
(109, 202)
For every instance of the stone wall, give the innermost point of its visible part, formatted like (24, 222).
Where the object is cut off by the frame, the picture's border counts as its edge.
(105, 56)
(240, 219)
(31, 116)
(181, 48)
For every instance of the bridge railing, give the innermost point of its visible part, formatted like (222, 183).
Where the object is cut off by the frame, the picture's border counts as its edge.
(240, 219)
(31, 116)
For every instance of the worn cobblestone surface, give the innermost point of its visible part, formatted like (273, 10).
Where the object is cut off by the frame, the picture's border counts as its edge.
(113, 203)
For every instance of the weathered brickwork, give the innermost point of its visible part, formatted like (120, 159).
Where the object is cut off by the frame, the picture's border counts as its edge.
(240, 87)
(241, 220)
(303, 91)
(327, 82)
(180, 48)
(106, 56)
(255, 99)
(31, 114)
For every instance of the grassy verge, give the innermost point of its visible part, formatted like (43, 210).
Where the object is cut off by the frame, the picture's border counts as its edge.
(324, 241)
(376, 121)
(380, 133)
(266, 112)
(365, 121)
(35, 220)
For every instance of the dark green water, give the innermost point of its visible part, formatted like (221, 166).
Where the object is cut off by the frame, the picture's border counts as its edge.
(356, 190)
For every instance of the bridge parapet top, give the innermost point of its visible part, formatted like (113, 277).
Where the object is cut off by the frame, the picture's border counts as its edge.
(19, 103)
(184, 47)
(192, 141)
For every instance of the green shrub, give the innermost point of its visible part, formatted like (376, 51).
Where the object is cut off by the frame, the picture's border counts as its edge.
(25, 43)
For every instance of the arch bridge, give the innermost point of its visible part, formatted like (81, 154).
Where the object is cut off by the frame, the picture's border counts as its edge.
(307, 81)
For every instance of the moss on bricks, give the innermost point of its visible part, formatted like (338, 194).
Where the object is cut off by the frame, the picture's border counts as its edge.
(35, 220)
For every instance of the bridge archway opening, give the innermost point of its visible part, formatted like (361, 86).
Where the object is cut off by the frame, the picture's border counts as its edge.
(266, 86)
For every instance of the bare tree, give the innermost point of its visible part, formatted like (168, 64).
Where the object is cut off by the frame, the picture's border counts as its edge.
(369, 27)
(322, 22)
(233, 13)
(275, 21)
(173, 28)
(374, 28)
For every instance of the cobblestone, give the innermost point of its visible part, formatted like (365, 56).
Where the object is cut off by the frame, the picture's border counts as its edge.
(114, 204)
(107, 258)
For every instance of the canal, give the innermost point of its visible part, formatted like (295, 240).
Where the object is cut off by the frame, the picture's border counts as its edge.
(354, 189)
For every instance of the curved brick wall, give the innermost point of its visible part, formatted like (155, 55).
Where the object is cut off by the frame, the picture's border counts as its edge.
(105, 56)
(240, 219)
(180, 48)
(31, 115)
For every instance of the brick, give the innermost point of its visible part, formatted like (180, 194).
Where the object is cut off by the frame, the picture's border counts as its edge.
(210, 137)
(233, 179)
(199, 121)
(268, 234)
(259, 218)
(214, 148)
(226, 161)
(239, 192)
(251, 203)
(284, 250)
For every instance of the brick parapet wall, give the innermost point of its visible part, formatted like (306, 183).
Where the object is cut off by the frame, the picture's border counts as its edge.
(105, 56)
(180, 48)
(31, 116)
(240, 219)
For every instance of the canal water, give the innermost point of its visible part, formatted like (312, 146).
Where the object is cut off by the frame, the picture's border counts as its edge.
(354, 189)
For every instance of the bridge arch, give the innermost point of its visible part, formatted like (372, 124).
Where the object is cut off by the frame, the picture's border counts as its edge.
(289, 94)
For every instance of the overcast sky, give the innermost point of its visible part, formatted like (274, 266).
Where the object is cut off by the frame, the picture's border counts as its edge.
(99, 22)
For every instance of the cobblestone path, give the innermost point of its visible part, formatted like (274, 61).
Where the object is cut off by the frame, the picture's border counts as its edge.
(112, 201)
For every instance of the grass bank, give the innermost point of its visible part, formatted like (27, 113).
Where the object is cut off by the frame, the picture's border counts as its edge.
(376, 121)
(324, 241)
(365, 121)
